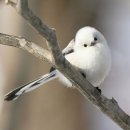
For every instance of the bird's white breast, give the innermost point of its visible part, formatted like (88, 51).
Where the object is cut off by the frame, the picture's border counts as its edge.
(95, 62)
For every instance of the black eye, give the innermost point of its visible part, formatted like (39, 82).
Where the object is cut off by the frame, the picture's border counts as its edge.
(85, 45)
(95, 39)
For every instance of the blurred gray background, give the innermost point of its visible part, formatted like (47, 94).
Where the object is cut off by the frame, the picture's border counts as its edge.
(55, 107)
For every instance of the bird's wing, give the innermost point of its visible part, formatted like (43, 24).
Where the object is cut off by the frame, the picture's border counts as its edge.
(69, 49)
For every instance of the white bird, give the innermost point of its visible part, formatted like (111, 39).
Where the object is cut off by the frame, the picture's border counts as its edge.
(88, 52)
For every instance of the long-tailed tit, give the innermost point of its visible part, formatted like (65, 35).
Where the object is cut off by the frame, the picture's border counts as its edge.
(88, 52)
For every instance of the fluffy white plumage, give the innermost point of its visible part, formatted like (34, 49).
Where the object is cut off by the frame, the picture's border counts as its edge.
(94, 60)
(88, 52)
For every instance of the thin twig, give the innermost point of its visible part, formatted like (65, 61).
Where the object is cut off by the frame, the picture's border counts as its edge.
(108, 106)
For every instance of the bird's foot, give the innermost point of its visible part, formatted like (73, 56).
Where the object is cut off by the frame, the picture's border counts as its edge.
(99, 90)
(83, 75)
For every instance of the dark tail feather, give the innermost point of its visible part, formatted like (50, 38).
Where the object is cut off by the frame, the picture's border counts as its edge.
(30, 86)
(12, 95)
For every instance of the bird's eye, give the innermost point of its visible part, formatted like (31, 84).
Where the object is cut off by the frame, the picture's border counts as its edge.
(95, 39)
(85, 45)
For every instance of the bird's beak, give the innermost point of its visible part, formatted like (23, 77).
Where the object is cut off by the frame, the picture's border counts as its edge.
(93, 43)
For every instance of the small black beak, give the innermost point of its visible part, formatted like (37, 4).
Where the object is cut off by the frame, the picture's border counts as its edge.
(93, 43)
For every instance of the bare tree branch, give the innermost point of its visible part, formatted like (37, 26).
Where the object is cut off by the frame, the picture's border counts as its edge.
(108, 106)
(24, 44)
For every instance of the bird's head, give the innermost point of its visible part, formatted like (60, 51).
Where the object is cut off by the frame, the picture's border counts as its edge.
(88, 37)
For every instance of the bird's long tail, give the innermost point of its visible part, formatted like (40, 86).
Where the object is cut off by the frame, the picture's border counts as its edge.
(30, 86)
